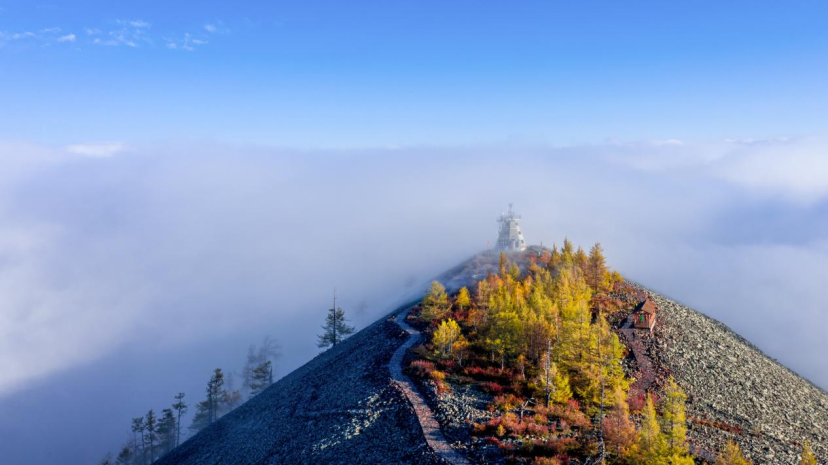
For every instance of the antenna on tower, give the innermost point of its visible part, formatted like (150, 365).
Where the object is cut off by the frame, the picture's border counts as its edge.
(510, 207)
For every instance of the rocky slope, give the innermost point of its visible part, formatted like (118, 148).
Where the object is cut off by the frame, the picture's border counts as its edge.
(342, 406)
(738, 392)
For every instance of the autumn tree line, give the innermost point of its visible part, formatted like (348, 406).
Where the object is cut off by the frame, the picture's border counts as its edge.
(154, 435)
(539, 341)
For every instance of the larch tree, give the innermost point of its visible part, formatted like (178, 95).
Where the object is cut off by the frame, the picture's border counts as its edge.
(597, 268)
(808, 457)
(336, 328)
(463, 298)
(180, 408)
(619, 430)
(447, 333)
(650, 447)
(435, 303)
(732, 455)
(673, 418)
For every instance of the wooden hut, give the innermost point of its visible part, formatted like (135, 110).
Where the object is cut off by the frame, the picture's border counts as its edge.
(644, 315)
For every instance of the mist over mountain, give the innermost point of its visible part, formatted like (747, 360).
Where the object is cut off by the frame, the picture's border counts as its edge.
(129, 277)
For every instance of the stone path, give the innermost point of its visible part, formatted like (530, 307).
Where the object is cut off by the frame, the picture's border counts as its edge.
(431, 428)
(645, 377)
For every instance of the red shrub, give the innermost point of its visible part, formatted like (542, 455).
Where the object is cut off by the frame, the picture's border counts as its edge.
(492, 388)
(422, 368)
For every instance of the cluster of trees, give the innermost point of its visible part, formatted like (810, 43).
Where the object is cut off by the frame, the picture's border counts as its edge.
(543, 327)
(153, 435)
(539, 322)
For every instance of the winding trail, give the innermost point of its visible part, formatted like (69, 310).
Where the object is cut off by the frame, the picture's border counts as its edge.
(431, 428)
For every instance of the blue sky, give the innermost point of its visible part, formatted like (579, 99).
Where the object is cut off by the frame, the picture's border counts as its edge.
(355, 74)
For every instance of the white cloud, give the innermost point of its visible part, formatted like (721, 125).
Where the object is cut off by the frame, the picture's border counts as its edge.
(92, 31)
(67, 38)
(210, 27)
(136, 23)
(51, 30)
(796, 169)
(188, 43)
(96, 150)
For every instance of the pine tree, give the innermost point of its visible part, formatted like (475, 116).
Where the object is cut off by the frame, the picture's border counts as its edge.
(180, 408)
(152, 432)
(166, 431)
(209, 410)
(138, 427)
(463, 298)
(808, 457)
(336, 330)
(435, 303)
(732, 455)
(262, 378)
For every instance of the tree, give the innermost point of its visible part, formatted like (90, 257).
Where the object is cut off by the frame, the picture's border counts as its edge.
(597, 268)
(125, 457)
(460, 349)
(505, 335)
(463, 298)
(553, 384)
(262, 378)
(673, 419)
(435, 303)
(209, 410)
(808, 457)
(166, 431)
(138, 427)
(336, 330)
(448, 332)
(619, 430)
(650, 447)
(268, 351)
(732, 455)
(151, 427)
(180, 408)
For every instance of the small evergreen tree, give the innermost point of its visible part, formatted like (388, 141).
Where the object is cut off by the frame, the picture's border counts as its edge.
(336, 330)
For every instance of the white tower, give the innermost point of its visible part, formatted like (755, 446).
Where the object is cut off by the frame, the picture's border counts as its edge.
(509, 237)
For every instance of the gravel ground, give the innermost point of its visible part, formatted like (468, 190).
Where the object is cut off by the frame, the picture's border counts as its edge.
(341, 407)
(763, 406)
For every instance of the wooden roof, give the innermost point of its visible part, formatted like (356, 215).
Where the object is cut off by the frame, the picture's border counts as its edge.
(647, 306)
